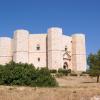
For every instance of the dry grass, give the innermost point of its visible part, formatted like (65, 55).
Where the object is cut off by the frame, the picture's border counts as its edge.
(71, 88)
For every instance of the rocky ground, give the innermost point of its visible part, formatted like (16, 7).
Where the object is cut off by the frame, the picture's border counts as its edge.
(71, 88)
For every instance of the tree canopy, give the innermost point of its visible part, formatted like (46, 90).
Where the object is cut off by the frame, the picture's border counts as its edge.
(94, 63)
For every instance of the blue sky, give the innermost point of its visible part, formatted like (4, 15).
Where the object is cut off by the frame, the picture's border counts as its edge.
(38, 15)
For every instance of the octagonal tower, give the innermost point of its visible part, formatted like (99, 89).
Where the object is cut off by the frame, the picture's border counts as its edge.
(78, 52)
(54, 48)
(20, 45)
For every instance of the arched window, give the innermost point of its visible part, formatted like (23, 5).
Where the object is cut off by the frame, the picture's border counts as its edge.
(38, 47)
(71, 41)
(38, 59)
(65, 48)
(65, 66)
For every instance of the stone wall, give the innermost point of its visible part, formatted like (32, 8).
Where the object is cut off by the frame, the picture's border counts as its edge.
(52, 50)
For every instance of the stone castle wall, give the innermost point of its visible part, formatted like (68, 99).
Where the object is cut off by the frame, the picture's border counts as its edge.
(5, 50)
(53, 50)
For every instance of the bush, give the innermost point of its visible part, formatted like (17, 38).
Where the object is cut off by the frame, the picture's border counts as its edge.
(25, 75)
(63, 71)
(73, 73)
(53, 71)
(59, 75)
(69, 70)
(84, 74)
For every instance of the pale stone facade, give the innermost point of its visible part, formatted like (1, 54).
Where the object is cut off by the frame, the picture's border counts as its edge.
(53, 50)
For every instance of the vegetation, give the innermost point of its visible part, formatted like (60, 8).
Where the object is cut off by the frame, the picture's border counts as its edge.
(94, 63)
(64, 71)
(60, 72)
(84, 73)
(58, 75)
(53, 71)
(73, 73)
(26, 75)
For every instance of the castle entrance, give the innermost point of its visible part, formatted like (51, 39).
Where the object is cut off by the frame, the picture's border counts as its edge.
(65, 65)
(66, 60)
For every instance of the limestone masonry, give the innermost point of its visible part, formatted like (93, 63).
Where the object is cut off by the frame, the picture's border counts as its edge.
(53, 50)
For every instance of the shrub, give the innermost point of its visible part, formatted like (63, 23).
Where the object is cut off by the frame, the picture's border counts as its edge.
(84, 74)
(69, 70)
(59, 75)
(63, 71)
(53, 71)
(73, 73)
(25, 75)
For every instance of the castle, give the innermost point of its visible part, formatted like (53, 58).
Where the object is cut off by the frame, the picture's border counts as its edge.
(53, 50)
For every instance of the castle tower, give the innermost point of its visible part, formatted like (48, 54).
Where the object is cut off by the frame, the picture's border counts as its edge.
(78, 52)
(5, 50)
(20, 45)
(54, 48)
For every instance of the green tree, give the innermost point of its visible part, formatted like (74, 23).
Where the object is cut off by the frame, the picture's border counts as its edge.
(94, 63)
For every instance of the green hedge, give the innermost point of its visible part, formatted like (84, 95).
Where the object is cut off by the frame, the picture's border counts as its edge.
(63, 71)
(53, 71)
(25, 75)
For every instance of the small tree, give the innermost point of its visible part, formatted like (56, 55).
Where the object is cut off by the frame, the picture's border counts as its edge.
(94, 63)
